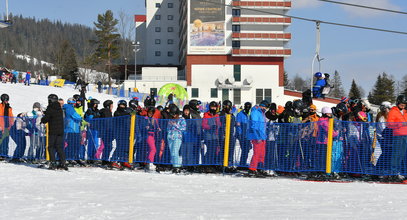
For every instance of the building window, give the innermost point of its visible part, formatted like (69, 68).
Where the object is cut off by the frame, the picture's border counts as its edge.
(170, 5)
(267, 95)
(237, 72)
(236, 12)
(195, 93)
(236, 28)
(158, 5)
(158, 53)
(157, 29)
(237, 96)
(236, 44)
(214, 93)
(259, 96)
(225, 94)
(157, 17)
(263, 94)
(170, 41)
(170, 29)
(170, 53)
(157, 41)
(170, 17)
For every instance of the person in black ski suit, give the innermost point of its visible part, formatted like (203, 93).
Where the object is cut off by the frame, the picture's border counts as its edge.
(55, 119)
(91, 114)
(227, 110)
(106, 130)
(122, 123)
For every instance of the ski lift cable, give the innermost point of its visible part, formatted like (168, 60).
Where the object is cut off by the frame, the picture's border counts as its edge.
(364, 6)
(310, 20)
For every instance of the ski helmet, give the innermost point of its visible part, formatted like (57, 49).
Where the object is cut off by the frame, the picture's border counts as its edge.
(341, 107)
(273, 107)
(173, 110)
(133, 104)
(401, 99)
(186, 107)
(122, 102)
(107, 103)
(4, 97)
(318, 74)
(298, 104)
(151, 109)
(247, 106)
(52, 98)
(160, 108)
(264, 103)
(213, 104)
(94, 101)
(194, 104)
(227, 103)
(77, 97)
(71, 101)
(385, 105)
(288, 105)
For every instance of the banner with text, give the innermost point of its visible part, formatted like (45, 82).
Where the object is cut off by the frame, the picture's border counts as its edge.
(207, 27)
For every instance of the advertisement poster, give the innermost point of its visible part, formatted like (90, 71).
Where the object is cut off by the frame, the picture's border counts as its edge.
(207, 27)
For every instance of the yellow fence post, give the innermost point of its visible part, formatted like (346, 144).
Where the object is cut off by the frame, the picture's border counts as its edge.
(131, 139)
(227, 141)
(329, 146)
(47, 142)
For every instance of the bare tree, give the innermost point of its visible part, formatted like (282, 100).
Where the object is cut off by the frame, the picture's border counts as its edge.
(127, 31)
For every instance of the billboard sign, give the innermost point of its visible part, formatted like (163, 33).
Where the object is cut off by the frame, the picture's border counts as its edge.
(207, 27)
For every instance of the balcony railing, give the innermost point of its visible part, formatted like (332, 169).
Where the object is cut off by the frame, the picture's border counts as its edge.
(263, 53)
(261, 20)
(262, 36)
(262, 4)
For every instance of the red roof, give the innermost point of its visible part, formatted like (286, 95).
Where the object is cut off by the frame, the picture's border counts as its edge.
(139, 18)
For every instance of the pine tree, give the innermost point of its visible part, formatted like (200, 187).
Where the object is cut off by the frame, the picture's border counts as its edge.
(65, 62)
(286, 80)
(107, 39)
(383, 90)
(354, 91)
(337, 91)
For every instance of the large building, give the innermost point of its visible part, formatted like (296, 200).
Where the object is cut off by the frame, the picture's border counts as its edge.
(222, 49)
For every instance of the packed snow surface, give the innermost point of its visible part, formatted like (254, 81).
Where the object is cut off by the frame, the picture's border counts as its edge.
(23, 97)
(95, 193)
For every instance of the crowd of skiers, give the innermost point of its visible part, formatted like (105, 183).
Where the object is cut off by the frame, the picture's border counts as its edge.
(13, 76)
(187, 129)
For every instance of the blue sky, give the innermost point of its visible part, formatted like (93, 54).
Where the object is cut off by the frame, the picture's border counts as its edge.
(358, 54)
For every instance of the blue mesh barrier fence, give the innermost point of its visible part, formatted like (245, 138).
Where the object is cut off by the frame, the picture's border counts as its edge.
(22, 137)
(362, 148)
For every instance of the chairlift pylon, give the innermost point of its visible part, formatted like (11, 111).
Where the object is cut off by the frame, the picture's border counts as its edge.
(317, 55)
(7, 22)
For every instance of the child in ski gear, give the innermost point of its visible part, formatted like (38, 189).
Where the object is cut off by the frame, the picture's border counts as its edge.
(174, 136)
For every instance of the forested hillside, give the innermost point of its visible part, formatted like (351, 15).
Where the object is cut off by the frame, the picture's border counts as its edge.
(47, 40)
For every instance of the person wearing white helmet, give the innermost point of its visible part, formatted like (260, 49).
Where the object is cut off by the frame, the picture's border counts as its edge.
(384, 112)
(384, 136)
(322, 137)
